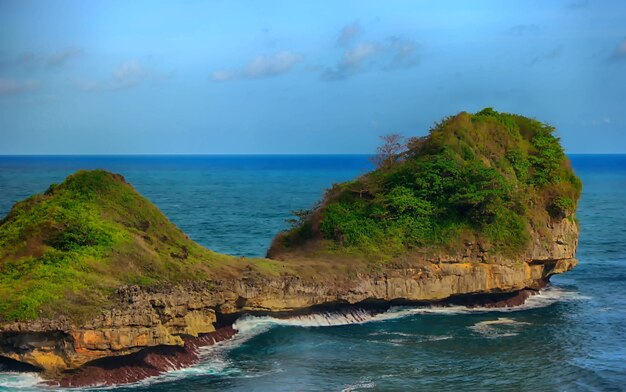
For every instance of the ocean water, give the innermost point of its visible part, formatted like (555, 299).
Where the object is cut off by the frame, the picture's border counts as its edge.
(571, 337)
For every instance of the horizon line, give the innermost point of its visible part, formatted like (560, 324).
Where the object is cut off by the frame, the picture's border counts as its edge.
(235, 154)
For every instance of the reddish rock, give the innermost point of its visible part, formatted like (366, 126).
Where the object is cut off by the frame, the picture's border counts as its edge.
(149, 362)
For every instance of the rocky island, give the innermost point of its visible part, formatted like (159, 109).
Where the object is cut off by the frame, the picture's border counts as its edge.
(97, 286)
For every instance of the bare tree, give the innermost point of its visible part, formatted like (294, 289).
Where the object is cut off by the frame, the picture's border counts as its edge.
(414, 145)
(389, 152)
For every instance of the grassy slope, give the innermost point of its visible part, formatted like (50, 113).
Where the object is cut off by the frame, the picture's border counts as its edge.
(488, 177)
(65, 251)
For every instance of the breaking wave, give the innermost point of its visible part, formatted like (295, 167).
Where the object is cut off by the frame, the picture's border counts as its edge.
(18, 381)
(257, 324)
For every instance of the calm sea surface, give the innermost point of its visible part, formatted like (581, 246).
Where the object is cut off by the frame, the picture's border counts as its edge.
(572, 337)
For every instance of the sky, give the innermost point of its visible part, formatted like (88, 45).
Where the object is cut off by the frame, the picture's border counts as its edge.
(293, 77)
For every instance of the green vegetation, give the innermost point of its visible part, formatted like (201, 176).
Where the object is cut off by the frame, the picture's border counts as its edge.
(65, 251)
(489, 177)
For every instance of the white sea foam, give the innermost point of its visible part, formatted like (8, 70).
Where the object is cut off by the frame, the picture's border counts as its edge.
(500, 327)
(410, 336)
(386, 333)
(549, 296)
(365, 384)
(21, 381)
(251, 324)
(436, 338)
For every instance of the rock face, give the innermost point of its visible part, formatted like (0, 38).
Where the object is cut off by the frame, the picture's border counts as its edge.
(140, 365)
(168, 316)
(140, 320)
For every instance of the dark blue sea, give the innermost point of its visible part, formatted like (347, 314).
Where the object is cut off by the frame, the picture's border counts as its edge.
(571, 337)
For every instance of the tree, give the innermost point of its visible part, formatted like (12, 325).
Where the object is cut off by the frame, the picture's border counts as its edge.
(414, 145)
(389, 152)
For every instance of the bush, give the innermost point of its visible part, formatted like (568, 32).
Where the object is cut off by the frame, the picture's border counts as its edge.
(561, 207)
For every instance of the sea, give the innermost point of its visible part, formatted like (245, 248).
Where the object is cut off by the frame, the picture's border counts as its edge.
(570, 337)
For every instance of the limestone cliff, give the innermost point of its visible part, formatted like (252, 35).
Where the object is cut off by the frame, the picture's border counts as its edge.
(91, 270)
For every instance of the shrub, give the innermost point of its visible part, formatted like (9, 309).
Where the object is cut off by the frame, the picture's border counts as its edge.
(561, 207)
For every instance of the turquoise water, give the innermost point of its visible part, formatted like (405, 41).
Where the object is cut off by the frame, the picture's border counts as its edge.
(572, 337)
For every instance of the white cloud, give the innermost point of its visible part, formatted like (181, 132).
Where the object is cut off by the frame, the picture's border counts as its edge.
(62, 57)
(128, 74)
(271, 65)
(620, 51)
(14, 87)
(348, 33)
(87, 85)
(353, 60)
(36, 60)
(576, 4)
(262, 66)
(547, 56)
(222, 76)
(392, 54)
(354, 57)
(403, 53)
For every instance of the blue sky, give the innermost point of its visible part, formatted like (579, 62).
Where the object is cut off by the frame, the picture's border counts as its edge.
(220, 77)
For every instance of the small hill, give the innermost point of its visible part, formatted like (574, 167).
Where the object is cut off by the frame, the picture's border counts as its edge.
(65, 251)
(489, 178)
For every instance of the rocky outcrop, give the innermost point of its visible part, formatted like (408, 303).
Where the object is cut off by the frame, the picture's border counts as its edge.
(148, 362)
(140, 319)
(173, 315)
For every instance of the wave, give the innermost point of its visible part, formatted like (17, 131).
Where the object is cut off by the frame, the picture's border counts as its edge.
(258, 324)
(250, 324)
(19, 381)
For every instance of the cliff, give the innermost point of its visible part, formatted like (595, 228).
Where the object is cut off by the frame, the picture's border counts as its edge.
(91, 270)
